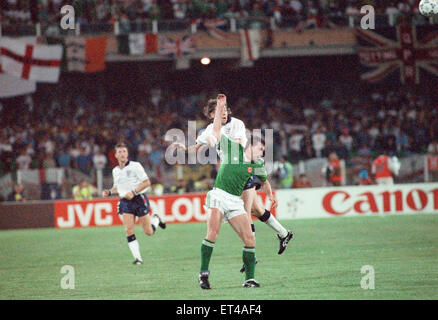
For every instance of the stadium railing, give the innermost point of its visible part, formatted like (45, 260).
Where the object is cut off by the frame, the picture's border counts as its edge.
(186, 25)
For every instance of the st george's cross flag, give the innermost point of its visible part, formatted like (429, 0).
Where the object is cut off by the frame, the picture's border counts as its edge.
(35, 62)
(250, 43)
(12, 86)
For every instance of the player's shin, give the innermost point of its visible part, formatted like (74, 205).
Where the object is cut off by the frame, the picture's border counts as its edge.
(134, 247)
(249, 260)
(206, 252)
(271, 221)
(154, 222)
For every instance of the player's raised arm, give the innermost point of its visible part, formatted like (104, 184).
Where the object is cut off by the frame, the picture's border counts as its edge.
(217, 122)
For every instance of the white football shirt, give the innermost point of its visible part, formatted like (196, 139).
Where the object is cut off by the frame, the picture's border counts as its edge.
(234, 129)
(129, 178)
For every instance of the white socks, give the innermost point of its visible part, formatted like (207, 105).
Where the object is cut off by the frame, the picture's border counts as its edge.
(134, 247)
(154, 222)
(270, 220)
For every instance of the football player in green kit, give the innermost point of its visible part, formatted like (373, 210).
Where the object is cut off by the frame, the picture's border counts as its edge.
(224, 201)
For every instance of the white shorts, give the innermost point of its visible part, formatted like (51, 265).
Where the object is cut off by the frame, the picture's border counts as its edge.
(385, 181)
(228, 204)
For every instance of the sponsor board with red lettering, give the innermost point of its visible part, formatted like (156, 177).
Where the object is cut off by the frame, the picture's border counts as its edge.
(103, 212)
(357, 201)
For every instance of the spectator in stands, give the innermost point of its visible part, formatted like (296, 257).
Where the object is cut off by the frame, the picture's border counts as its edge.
(346, 139)
(392, 11)
(84, 190)
(179, 188)
(318, 140)
(302, 182)
(48, 161)
(295, 144)
(333, 170)
(286, 173)
(17, 194)
(99, 160)
(432, 148)
(64, 159)
(24, 160)
(83, 161)
(364, 178)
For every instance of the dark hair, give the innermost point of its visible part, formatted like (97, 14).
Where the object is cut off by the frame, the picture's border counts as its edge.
(254, 139)
(121, 145)
(211, 107)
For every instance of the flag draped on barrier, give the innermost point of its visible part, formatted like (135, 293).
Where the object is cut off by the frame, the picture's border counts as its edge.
(176, 48)
(406, 49)
(138, 43)
(250, 43)
(85, 54)
(35, 62)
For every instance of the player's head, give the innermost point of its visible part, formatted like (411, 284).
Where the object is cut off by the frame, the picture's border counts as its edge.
(121, 152)
(333, 156)
(255, 148)
(210, 109)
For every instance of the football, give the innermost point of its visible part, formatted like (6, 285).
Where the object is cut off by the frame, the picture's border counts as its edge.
(428, 8)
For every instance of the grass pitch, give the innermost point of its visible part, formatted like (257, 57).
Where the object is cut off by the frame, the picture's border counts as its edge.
(324, 261)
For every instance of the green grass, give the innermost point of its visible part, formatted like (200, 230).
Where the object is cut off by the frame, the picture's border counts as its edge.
(323, 262)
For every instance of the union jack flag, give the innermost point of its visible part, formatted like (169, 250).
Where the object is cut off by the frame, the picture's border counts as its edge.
(175, 48)
(405, 48)
(217, 28)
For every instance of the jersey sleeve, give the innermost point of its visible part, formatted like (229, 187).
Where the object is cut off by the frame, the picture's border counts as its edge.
(114, 179)
(239, 132)
(141, 173)
(202, 139)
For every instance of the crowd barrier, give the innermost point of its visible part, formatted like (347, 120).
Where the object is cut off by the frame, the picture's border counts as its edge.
(186, 208)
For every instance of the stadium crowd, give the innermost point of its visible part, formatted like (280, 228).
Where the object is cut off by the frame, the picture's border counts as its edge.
(80, 132)
(314, 12)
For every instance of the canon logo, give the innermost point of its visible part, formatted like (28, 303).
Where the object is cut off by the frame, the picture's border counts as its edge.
(340, 202)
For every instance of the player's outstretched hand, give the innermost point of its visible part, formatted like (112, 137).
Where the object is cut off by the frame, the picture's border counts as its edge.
(274, 201)
(221, 100)
(105, 193)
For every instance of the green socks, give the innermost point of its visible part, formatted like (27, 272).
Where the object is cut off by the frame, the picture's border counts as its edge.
(206, 251)
(249, 260)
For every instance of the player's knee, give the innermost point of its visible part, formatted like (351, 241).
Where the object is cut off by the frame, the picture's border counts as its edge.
(212, 235)
(249, 240)
(149, 231)
(129, 231)
(257, 212)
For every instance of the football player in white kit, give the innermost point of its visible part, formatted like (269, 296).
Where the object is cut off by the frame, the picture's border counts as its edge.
(131, 183)
(235, 130)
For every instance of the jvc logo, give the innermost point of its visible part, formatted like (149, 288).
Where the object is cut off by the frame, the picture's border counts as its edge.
(84, 217)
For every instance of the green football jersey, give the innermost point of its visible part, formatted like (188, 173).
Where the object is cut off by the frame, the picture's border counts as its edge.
(234, 171)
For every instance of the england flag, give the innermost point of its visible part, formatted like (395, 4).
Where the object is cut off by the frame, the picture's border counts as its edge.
(39, 63)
